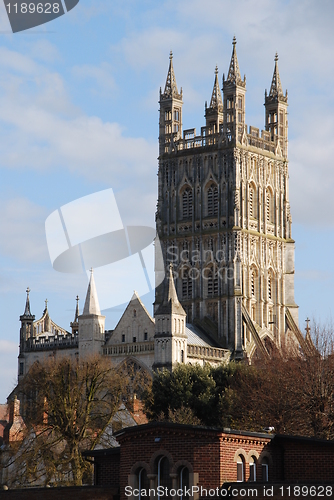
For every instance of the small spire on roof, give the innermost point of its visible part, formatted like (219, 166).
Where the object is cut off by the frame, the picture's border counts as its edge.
(76, 317)
(216, 98)
(92, 302)
(27, 311)
(171, 87)
(234, 71)
(276, 86)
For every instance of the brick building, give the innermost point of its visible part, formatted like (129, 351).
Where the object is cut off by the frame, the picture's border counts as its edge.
(177, 456)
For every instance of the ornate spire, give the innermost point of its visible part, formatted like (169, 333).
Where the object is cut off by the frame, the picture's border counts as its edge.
(276, 86)
(27, 311)
(76, 317)
(216, 98)
(92, 302)
(234, 71)
(171, 87)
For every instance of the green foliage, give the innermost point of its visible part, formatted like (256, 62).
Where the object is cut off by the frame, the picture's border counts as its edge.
(292, 393)
(207, 391)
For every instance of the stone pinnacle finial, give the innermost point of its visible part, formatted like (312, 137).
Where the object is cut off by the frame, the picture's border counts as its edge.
(46, 304)
(216, 97)
(171, 87)
(27, 311)
(276, 86)
(234, 71)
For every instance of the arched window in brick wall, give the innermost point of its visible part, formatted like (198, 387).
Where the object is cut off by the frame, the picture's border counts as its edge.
(240, 468)
(252, 468)
(163, 473)
(143, 483)
(265, 469)
(183, 482)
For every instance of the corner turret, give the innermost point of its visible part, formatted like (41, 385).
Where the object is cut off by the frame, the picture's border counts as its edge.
(170, 329)
(91, 323)
(234, 90)
(214, 113)
(170, 122)
(276, 106)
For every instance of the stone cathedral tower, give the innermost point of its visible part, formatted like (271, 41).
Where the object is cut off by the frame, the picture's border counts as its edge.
(223, 215)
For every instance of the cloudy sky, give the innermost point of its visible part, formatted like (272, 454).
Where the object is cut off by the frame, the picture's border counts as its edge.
(79, 113)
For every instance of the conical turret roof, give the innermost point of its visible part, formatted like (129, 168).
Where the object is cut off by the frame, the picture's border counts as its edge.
(171, 302)
(92, 303)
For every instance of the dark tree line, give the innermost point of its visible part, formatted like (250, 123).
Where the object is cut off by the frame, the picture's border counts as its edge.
(291, 392)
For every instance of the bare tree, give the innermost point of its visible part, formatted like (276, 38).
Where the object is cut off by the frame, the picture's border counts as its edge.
(66, 406)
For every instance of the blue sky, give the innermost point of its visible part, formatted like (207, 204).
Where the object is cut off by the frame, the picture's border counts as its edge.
(79, 113)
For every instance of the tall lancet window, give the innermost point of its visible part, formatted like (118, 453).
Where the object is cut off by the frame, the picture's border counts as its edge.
(253, 284)
(187, 284)
(213, 200)
(252, 201)
(269, 206)
(212, 278)
(269, 287)
(187, 203)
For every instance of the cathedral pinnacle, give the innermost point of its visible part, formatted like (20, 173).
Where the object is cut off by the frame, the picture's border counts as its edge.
(171, 87)
(92, 303)
(276, 86)
(216, 98)
(234, 71)
(76, 317)
(171, 303)
(27, 311)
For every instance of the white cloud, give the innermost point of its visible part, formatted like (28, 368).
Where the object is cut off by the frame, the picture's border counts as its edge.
(22, 234)
(101, 77)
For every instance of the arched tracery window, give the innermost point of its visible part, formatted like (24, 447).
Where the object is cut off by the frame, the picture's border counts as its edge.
(212, 278)
(252, 201)
(269, 206)
(187, 284)
(187, 203)
(213, 200)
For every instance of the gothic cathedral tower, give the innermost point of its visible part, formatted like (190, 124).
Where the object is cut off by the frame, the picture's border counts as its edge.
(223, 215)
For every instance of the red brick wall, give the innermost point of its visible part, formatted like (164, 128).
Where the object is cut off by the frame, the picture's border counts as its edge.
(307, 461)
(230, 444)
(107, 470)
(200, 447)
